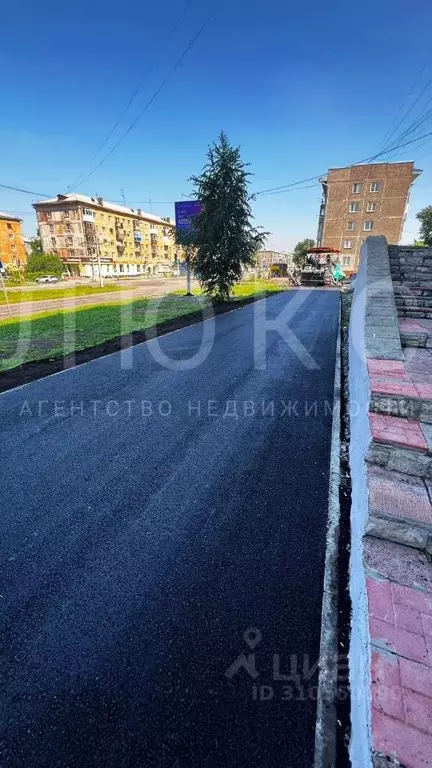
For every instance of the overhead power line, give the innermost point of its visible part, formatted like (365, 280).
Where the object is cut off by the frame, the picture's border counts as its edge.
(132, 98)
(24, 191)
(408, 111)
(422, 118)
(388, 132)
(151, 100)
(273, 190)
(281, 191)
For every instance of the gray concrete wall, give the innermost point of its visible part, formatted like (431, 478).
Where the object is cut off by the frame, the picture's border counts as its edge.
(382, 338)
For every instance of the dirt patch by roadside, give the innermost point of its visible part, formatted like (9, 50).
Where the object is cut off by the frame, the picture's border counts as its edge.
(32, 371)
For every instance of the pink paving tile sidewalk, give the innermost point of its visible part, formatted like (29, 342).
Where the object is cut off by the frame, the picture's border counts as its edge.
(408, 324)
(418, 325)
(412, 378)
(390, 369)
(393, 430)
(397, 496)
(400, 620)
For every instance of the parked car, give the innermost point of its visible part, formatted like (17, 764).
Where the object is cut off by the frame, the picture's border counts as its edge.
(47, 279)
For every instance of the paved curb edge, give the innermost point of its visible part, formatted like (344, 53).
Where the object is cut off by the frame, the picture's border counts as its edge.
(325, 730)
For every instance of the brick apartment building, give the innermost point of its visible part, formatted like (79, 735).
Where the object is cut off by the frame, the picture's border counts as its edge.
(12, 251)
(360, 200)
(84, 231)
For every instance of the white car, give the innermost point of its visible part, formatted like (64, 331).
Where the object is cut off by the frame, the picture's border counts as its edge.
(47, 279)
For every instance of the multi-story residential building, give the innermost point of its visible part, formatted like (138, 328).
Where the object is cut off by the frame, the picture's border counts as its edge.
(267, 257)
(12, 252)
(85, 231)
(361, 200)
(28, 241)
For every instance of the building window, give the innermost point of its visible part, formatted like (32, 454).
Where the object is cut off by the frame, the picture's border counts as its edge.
(347, 244)
(66, 214)
(51, 226)
(356, 188)
(354, 207)
(375, 186)
(9, 226)
(346, 261)
(367, 226)
(68, 227)
(371, 207)
(69, 241)
(53, 241)
(351, 226)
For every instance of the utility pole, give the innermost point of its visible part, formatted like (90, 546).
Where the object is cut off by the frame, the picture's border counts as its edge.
(123, 196)
(151, 207)
(188, 272)
(99, 260)
(4, 289)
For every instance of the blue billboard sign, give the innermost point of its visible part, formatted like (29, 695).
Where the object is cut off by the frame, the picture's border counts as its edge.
(184, 211)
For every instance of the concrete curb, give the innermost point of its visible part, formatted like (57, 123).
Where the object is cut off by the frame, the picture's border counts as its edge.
(325, 730)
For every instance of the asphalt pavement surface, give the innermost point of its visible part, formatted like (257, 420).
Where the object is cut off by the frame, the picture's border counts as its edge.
(162, 544)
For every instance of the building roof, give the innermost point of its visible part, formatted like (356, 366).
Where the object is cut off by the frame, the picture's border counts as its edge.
(416, 171)
(92, 202)
(8, 216)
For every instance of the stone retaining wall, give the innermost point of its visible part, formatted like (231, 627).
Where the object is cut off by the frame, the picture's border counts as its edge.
(411, 272)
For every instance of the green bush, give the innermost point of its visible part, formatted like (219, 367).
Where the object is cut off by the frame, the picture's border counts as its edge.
(40, 264)
(13, 278)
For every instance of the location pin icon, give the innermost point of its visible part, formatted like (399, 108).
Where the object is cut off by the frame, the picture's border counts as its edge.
(252, 636)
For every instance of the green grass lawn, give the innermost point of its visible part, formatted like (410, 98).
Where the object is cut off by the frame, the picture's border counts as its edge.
(54, 334)
(244, 289)
(45, 294)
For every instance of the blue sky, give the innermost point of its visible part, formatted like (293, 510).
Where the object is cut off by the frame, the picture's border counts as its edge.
(300, 86)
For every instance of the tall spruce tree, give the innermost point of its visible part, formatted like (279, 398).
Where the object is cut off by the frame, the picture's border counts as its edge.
(225, 240)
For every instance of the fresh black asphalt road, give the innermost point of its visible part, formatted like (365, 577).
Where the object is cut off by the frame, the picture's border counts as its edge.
(144, 529)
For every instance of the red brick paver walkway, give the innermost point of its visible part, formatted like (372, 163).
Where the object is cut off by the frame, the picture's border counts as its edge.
(400, 621)
(397, 431)
(412, 378)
